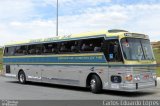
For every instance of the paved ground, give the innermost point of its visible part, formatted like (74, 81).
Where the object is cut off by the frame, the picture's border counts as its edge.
(11, 89)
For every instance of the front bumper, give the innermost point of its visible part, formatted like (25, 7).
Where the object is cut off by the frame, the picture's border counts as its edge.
(133, 87)
(139, 86)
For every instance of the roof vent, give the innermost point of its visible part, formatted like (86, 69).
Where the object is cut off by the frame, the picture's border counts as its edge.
(116, 30)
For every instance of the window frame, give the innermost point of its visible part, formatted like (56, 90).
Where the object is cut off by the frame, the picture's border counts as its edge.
(74, 42)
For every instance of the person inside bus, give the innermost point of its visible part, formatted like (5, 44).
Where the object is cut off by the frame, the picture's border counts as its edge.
(32, 51)
(24, 52)
(87, 47)
(55, 49)
(90, 48)
(98, 48)
(18, 51)
(83, 47)
(63, 48)
(38, 50)
(75, 48)
(46, 48)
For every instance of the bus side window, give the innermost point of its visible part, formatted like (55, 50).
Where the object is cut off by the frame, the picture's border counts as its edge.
(113, 51)
(69, 47)
(50, 48)
(6, 51)
(87, 47)
(75, 47)
(35, 49)
(21, 50)
(63, 47)
(92, 45)
(55, 48)
(10, 51)
(47, 48)
(98, 48)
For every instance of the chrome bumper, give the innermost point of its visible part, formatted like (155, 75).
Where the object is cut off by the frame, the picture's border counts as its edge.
(132, 87)
(139, 86)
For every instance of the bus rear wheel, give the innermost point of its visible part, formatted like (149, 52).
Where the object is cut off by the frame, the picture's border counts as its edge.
(95, 84)
(22, 77)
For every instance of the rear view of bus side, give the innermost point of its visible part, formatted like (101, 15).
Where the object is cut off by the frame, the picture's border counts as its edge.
(112, 60)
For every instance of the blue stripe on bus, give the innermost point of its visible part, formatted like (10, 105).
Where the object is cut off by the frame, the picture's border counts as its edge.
(64, 59)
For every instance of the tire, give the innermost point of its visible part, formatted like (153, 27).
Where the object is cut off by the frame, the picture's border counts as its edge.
(22, 77)
(95, 84)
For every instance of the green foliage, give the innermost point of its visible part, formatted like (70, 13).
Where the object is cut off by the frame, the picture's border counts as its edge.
(158, 71)
(1, 54)
(157, 56)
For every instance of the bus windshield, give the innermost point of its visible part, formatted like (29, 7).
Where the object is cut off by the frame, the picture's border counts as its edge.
(137, 49)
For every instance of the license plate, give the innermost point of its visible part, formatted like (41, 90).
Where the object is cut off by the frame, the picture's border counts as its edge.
(115, 86)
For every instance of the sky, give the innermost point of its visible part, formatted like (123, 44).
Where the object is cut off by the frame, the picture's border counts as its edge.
(33, 19)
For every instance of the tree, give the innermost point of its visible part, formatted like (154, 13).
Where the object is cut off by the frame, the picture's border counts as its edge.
(159, 45)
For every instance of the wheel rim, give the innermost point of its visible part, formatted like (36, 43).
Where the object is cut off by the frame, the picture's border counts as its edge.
(93, 84)
(21, 78)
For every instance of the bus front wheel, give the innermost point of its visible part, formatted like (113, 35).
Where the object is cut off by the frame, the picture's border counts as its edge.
(95, 84)
(22, 77)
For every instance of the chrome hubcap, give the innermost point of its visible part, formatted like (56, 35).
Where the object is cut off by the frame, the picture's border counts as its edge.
(22, 78)
(93, 84)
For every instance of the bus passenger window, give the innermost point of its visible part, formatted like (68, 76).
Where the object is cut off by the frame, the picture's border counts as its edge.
(63, 48)
(75, 48)
(84, 47)
(10, 51)
(92, 45)
(87, 47)
(50, 48)
(21, 50)
(55, 49)
(69, 47)
(98, 48)
(34, 49)
(6, 51)
(47, 48)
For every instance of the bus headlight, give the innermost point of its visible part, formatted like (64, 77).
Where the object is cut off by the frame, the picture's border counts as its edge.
(129, 77)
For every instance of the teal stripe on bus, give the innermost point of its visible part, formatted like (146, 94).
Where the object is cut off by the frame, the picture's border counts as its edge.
(56, 59)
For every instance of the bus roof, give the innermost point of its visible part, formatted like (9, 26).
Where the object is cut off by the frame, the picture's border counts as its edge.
(102, 33)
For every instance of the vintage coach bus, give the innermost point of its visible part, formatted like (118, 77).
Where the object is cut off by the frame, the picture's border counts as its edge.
(113, 59)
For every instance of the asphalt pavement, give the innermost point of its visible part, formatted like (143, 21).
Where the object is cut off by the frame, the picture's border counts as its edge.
(10, 89)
